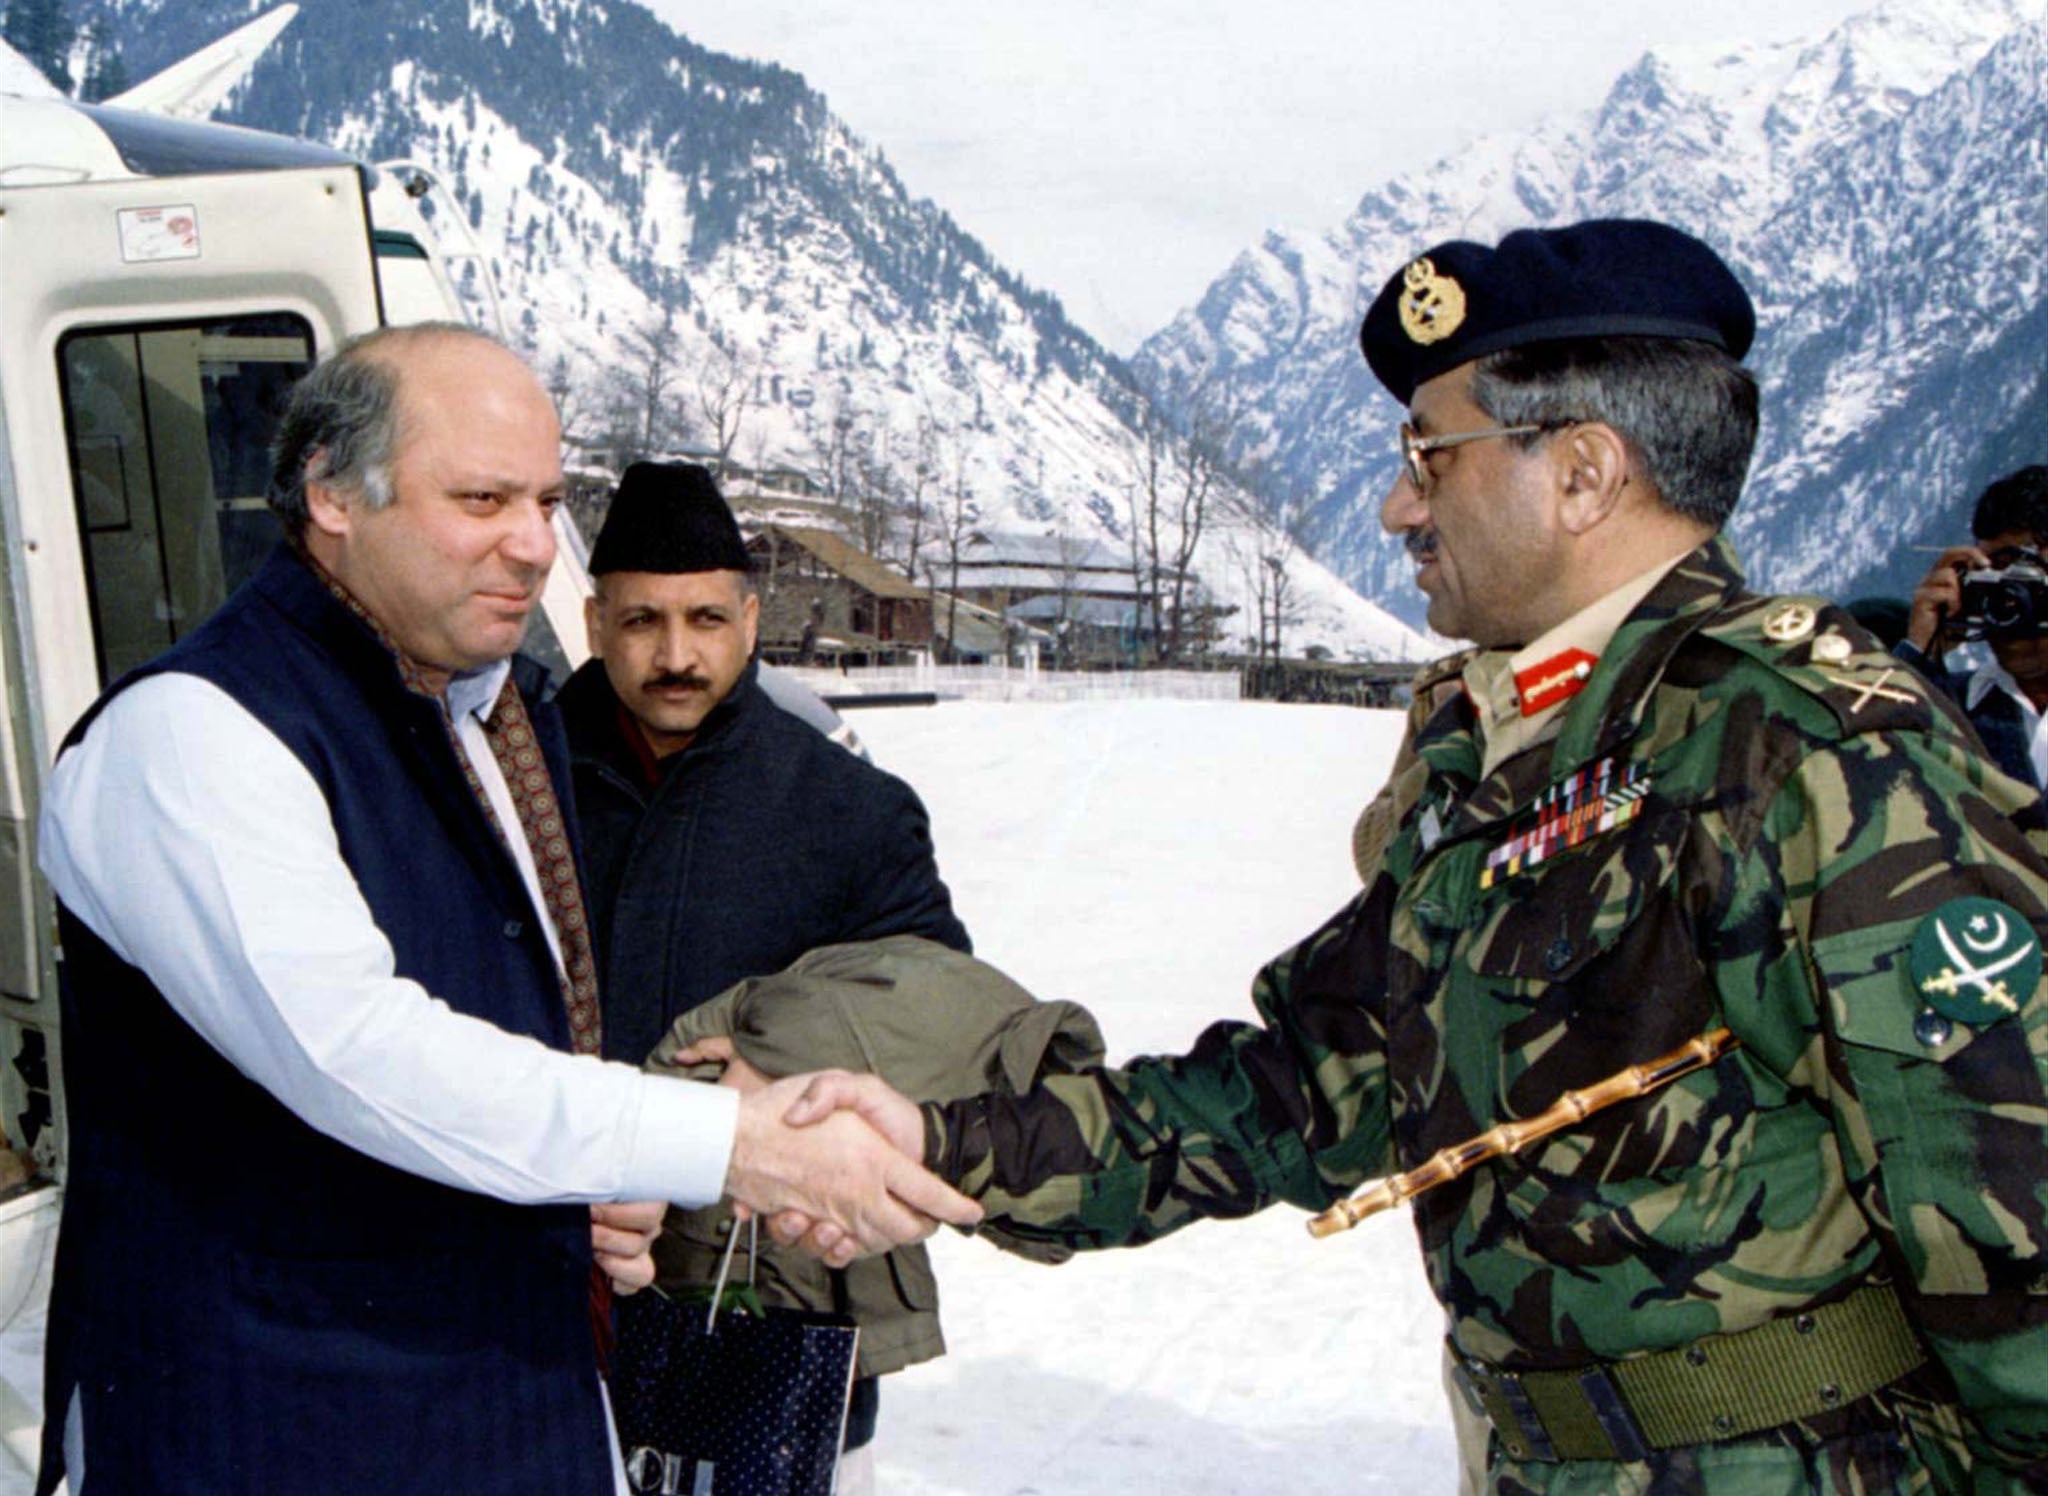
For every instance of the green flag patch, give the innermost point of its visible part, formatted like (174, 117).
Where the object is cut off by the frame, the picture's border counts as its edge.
(1975, 960)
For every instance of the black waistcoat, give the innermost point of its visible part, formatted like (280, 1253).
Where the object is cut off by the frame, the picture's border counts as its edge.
(244, 1304)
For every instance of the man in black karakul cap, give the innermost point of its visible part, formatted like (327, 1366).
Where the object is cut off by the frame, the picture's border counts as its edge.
(1651, 810)
(723, 837)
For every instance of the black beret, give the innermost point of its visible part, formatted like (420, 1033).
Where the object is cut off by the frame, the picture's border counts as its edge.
(1607, 277)
(668, 517)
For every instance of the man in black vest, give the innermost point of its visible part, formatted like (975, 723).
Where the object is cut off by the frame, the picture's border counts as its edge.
(724, 838)
(325, 964)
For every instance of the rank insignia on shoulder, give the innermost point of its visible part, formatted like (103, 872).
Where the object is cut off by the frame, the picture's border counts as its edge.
(1975, 960)
(1789, 623)
(1832, 649)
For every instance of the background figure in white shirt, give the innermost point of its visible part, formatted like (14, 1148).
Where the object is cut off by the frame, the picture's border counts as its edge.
(304, 928)
(1961, 599)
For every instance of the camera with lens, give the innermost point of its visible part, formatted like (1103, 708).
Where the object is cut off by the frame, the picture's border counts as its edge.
(2006, 602)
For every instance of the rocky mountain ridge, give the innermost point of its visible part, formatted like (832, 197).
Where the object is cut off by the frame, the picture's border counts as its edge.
(703, 232)
(1878, 190)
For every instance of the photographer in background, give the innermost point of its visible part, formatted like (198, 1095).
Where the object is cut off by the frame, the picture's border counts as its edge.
(1995, 590)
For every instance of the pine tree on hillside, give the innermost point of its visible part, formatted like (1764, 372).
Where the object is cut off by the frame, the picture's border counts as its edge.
(41, 32)
(105, 73)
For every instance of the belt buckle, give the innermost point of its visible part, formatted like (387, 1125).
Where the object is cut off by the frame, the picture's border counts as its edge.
(1501, 1396)
(1611, 1411)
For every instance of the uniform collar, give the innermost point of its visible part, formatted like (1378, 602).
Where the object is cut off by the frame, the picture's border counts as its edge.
(1691, 596)
(1519, 696)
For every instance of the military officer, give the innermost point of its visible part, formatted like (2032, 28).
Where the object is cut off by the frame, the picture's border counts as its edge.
(1648, 805)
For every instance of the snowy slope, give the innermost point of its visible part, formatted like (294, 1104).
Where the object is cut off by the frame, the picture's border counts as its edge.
(20, 76)
(1879, 191)
(624, 181)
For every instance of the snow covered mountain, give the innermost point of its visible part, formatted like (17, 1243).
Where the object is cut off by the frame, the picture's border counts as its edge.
(676, 228)
(1880, 191)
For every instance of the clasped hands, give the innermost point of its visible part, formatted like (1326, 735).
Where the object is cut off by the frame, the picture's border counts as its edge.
(832, 1161)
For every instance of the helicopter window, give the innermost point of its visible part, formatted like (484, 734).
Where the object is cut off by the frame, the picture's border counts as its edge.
(169, 429)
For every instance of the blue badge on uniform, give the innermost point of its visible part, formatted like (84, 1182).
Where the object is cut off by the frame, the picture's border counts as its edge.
(1976, 960)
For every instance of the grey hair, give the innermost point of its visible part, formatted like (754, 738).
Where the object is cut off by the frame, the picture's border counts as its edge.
(1686, 409)
(340, 422)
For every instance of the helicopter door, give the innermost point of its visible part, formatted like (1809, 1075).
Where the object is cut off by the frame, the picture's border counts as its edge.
(148, 329)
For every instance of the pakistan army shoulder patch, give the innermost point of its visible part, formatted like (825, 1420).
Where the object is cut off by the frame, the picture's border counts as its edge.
(1975, 960)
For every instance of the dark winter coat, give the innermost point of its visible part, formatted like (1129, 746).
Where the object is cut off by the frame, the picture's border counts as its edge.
(760, 841)
(2008, 741)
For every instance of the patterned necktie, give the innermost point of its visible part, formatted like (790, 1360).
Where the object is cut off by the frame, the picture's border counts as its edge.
(509, 731)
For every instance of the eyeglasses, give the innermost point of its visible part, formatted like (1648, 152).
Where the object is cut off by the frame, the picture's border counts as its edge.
(1415, 448)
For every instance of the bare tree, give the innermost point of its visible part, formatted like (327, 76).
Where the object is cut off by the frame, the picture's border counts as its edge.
(1266, 553)
(873, 485)
(1175, 473)
(832, 439)
(1069, 551)
(917, 508)
(573, 405)
(645, 377)
(958, 514)
(1241, 546)
(760, 443)
(723, 389)
(1144, 561)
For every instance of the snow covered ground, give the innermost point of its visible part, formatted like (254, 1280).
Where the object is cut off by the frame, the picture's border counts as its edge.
(1145, 857)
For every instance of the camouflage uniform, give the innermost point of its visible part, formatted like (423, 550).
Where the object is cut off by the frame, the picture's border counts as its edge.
(1795, 830)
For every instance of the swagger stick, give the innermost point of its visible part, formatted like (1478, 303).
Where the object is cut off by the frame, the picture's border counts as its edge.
(1512, 1137)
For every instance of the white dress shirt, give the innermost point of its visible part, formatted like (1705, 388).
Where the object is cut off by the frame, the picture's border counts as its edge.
(197, 846)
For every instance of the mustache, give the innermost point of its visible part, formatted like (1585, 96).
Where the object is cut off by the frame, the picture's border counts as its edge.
(1420, 543)
(687, 680)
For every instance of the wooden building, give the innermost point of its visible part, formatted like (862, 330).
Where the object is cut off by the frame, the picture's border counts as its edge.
(824, 598)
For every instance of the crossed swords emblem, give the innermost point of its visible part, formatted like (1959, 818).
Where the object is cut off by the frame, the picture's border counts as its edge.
(1988, 979)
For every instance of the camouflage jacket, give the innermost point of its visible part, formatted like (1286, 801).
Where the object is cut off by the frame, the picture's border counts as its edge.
(1783, 822)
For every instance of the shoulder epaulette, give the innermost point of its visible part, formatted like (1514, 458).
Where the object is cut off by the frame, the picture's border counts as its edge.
(1436, 672)
(1816, 647)
(1435, 683)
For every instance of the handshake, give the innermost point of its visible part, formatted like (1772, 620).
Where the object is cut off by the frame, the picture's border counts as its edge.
(832, 1161)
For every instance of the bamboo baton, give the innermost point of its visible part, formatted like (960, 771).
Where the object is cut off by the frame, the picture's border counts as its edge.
(1512, 1137)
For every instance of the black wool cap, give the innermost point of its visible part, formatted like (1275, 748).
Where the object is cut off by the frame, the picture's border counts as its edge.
(1607, 277)
(668, 517)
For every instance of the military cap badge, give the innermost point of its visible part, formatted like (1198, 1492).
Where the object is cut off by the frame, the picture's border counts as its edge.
(1976, 960)
(1432, 305)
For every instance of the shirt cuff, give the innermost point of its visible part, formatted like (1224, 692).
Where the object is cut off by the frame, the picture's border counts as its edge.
(684, 1142)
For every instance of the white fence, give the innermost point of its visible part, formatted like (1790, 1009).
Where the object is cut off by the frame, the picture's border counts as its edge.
(1027, 682)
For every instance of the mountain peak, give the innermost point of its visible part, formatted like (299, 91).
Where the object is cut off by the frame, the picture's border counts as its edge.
(1875, 187)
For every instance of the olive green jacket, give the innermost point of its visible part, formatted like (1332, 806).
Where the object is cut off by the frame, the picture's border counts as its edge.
(1782, 821)
(934, 1023)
